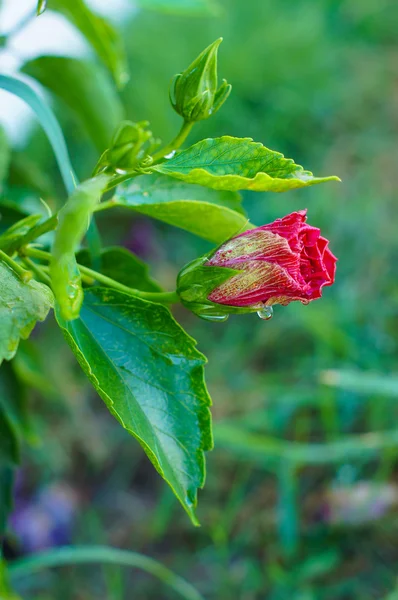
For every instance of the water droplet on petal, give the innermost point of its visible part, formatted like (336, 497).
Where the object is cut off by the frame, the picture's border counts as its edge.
(216, 318)
(265, 313)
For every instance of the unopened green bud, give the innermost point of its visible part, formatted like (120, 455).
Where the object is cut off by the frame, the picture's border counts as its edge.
(194, 93)
(127, 143)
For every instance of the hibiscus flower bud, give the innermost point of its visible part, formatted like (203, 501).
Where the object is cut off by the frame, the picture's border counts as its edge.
(129, 144)
(195, 90)
(278, 263)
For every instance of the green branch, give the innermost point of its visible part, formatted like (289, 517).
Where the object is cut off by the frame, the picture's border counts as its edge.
(158, 297)
(23, 275)
(175, 143)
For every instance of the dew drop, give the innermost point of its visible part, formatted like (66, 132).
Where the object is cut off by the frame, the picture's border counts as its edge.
(265, 313)
(215, 318)
(170, 155)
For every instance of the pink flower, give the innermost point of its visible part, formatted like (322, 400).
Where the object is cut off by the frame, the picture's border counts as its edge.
(284, 261)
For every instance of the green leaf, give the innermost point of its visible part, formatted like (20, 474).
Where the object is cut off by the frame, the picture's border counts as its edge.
(194, 7)
(6, 496)
(48, 122)
(228, 163)
(86, 88)
(214, 216)
(99, 33)
(148, 372)
(123, 266)
(18, 231)
(21, 306)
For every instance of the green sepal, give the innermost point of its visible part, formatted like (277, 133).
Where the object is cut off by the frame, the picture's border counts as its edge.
(221, 95)
(196, 281)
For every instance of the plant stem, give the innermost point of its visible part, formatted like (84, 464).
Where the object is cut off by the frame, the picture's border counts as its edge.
(23, 275)
(158, 297)
(175, 143)
(105, 205)
(114, 182)
(37, 270)
(85, 278)
(48, 225)
(34, 233)
(73, 555)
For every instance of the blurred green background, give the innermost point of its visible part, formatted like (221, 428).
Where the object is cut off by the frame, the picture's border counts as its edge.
(302, 486)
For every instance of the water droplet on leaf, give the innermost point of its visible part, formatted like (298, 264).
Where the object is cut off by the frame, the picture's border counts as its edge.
(265, 313)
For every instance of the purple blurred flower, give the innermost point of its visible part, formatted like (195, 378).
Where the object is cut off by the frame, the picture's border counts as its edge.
(47, 519)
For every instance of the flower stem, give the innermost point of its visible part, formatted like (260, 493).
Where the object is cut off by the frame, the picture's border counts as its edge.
(105, 205)
(23, 275)
(37, 270)
(114, 182)
(175, 143)
(158, 297)
(85, 278)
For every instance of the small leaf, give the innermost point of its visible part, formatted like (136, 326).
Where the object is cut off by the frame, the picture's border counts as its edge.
(148, 372)
(86, 88)
(18, 231)
(123, 266)
(214, 216)
(228, 163)
(99, 33)
(21, 306)
(194, 7)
